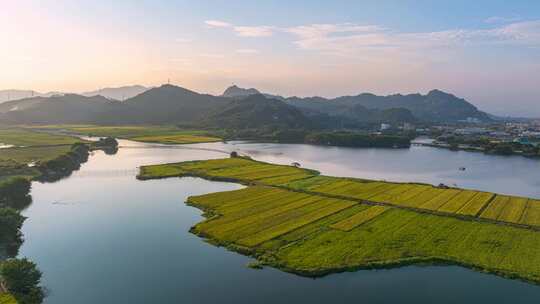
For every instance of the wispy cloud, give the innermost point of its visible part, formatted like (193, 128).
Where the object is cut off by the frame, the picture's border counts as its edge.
(254, 31)
(217, 23)
(351, 38)
(243, 31)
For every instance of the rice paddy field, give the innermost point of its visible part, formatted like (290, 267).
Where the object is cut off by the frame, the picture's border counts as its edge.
(29, 146)
(149, 134)
(299, 221)
(7, 299)
(22, 137)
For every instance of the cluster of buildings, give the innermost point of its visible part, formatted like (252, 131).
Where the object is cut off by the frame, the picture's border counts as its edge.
(527, 133)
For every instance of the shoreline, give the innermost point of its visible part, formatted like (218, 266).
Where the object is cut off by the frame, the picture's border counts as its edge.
(269, 258)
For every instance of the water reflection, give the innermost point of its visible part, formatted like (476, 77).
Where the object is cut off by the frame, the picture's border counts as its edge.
(101, 237)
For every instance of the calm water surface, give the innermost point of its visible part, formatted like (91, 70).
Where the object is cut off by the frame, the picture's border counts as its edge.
(101, 236)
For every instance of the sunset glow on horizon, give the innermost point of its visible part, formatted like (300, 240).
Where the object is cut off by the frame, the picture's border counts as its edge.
(488, 54)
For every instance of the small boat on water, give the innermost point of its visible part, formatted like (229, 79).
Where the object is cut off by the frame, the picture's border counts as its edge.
(462, 169)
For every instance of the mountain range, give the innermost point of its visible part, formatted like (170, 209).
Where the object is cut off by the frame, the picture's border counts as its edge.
(118, 93)
(236, 108)
(436, 106)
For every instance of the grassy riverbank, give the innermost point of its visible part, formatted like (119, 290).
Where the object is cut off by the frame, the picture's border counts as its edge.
(150, 134)
(296, 220)
(30, 149)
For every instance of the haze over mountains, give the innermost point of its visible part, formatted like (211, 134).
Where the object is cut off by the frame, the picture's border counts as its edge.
(435, 106)
(236, 108)
(118, 93)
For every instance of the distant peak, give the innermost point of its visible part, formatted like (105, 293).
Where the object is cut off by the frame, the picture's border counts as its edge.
(438, 92)
(168, 85)
(235, 91)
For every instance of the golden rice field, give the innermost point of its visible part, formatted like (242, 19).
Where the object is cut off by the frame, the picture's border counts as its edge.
(452, 201)
(296, 220)
(6, 298)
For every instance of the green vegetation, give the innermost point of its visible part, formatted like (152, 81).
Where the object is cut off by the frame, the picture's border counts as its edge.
(351, 139)
(21, 137)
(488, 145)
(450, 201)
(316, 137)
(7, 298)
(39, 154)
(176, 139)
(151, 134)
(14, 192)
(22, 279)
(11, 222)
(299, 221)
(35, 148)
(360, 218)
(234, 169)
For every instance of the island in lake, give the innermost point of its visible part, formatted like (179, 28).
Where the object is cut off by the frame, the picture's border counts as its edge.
(299, 221)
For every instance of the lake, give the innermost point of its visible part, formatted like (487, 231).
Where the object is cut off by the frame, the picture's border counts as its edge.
(101, 236)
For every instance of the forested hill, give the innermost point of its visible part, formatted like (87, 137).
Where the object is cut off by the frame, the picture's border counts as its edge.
(436, 106)
(170, 104)
(167, 104)
(255, 111)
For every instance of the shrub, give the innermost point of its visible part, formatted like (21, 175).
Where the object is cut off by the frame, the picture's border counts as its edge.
(22, 279)
(14, 192)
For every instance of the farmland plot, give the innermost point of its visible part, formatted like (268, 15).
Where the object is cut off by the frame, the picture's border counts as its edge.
(303, 228)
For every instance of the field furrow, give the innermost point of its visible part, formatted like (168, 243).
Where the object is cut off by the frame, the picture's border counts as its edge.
(475, 205)
(438, 201)
(513, 210)
(457, 202)
(495, 208)
(331, 207)
(360, 218)
(532, 214)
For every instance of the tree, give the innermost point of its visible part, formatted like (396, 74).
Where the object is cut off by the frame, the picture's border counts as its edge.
(10, 224)
(14, 192)
(22, 279)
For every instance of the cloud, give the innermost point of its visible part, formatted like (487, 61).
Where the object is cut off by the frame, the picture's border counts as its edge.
(360, 40)
(349, 39)
(498, 19)
(317, 30)
(217, 23)
(243, 31)
(254, 31)
(247, 51)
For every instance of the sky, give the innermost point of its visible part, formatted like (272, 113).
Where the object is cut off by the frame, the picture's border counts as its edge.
(486, 51)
